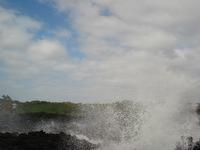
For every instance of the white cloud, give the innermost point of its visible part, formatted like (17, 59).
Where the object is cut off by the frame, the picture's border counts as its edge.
(139, 45)
(24, 56)
(14, 32)
(46, 50)
(156, 28)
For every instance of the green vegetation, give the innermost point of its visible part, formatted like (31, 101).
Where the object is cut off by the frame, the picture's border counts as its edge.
(44, 109)
(67, 109)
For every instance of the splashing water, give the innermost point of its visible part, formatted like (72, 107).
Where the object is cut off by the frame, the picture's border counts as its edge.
(129, 125)
(113, 122)
(155, 125)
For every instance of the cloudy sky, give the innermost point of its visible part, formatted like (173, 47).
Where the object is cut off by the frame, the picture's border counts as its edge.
(99, 50)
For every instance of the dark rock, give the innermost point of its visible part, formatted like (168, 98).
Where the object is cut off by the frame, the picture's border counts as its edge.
(43, 141)
(188, 144)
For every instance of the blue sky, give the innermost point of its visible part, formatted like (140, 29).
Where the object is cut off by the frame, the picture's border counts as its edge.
(98, 50)
(51, 18)
(38, 11)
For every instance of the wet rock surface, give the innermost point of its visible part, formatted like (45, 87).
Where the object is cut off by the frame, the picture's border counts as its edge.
(43, 141)
(187, 143)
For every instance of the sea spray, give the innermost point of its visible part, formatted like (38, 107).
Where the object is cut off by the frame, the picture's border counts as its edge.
(129, 125)
(143, 126)
(113, 123)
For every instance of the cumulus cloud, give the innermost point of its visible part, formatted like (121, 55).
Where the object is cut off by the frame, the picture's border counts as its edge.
(20, 48)
(46, 50)
(146, 45)
(130, 47)
(25, 58)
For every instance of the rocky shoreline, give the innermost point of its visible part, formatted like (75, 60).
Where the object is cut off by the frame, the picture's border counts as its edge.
(43, 141)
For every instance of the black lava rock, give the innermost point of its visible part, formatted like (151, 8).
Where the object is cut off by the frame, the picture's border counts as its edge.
(43, 141)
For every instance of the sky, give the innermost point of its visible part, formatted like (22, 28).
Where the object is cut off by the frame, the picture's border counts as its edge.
(99, 50)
